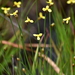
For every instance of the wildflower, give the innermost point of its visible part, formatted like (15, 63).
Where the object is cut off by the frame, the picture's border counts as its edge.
(23, 69)
(74, 57)
(17, 4)
(50, 2)
(66, 20)
(14, 13)
(38, 36)
(70, 1)
(6, 10)
(28, 20)
(18, 59)
(52, 24)
(41, 16)
(47, 9)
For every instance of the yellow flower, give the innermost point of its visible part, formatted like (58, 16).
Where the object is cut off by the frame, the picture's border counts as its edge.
(18, 59)
(17, 4)
(23, 69)
(6, 10)
(52, 24)
(28, 20)
(41, 16)
(50, 2)
(70, 1)
(38, 36)
(47, 9)
(66, 20)
(14, 13)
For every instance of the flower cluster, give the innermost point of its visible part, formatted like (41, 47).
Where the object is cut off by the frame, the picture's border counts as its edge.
(6, 10)
(46, 9)
(41, 16)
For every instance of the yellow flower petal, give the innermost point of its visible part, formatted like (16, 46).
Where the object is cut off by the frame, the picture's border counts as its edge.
(49, 10)
(40, 14)
(26, 21)
(44, 9)
(31, 21)
(47, 7)
(38, 38)
(74, 1)
(67, 22)
(68, 2)
(40, 34)
(34, 34)
(5, 12)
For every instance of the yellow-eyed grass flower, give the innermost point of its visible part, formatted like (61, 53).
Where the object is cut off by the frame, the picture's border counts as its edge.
(47, 9)
(23, 69)
(70, 1)
(52, 24)
(6, 10)
(50, 2)
(17, 4)
(38, 35)
(66, 20)
(41, 16)
(18, 59)
(14, 13)
(29, 20)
